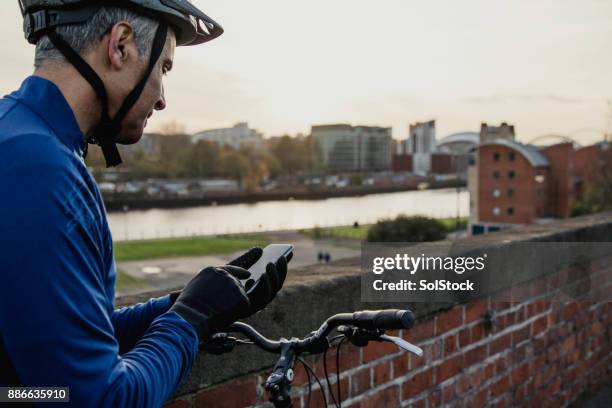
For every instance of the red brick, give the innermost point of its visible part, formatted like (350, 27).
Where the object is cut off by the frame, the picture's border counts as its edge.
(520, 374)
(449, 368)
(464, 338)
(519, 394)
(416, 361)
(421, 403)
(501, 403)
(501, 364)
(477, 333)
(537, 363)
(489, 370)
(554, 387)
(450, 344)
(316, 399)
(539, 325)
(177, 403)
(433, 351)
(475, 311)
(299, 375)
(417, 384)
(475, 355)
(344, 389)
(238, 393)
(500, 386)
(568, 344)
(349, 357)
(401, 365)
(382, 373)
(389, 397)
(376, 350)
(500, 306)
(360, 382)
(570, 310)
(500, 344)
(596, 329)
(476, 378)
(552, 354)
(481, 398)
(463, 384)
(423, 330)
(449, 320)
(521, 334)
(435, 398)
(296, 402)
(448, 393)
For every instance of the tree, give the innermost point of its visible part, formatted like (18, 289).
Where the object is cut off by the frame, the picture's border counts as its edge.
(295, 154)
(172, 127)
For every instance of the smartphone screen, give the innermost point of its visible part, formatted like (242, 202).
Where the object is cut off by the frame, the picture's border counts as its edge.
(271, 253)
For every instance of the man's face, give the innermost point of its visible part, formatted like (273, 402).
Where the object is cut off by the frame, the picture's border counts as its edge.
(152, 97)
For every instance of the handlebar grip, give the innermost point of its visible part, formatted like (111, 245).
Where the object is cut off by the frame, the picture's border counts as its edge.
(390, 319)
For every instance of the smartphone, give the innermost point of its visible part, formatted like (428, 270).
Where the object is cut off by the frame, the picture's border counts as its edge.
(271, 253)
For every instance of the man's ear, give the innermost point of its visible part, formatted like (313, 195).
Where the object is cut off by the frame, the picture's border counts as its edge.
(120, 44)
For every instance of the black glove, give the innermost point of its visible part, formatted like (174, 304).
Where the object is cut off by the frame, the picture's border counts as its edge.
(213, 299)
(244, 261)
(269, 285)
(267, 288)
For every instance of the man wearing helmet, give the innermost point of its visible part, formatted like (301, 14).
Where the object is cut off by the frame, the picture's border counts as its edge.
(98, 77)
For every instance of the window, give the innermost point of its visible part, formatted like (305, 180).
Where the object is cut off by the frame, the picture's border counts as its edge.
(496, 211)
(511, 156)
(510, 210)
(496, 156)
(511, 174)
(510, 192)
(496, 174)
(496, 193)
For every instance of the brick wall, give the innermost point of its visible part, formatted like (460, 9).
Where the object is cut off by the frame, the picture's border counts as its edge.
(539, 352)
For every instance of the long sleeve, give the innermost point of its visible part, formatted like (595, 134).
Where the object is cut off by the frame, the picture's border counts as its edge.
(131, 322)
(56, 308)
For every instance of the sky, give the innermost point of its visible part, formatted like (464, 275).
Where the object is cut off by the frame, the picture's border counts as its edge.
(282, 66)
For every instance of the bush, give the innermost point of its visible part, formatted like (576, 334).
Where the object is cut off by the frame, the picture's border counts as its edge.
(583, 208)
(407, 229)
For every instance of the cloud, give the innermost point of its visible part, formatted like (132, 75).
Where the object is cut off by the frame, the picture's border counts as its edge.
(503, 98)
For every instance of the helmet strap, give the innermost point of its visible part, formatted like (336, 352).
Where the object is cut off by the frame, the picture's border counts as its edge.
(105, 132)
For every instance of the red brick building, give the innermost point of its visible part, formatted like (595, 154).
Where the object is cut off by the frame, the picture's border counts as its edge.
(512, 183)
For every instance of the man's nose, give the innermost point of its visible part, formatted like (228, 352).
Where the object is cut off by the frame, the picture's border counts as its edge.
(161, 103)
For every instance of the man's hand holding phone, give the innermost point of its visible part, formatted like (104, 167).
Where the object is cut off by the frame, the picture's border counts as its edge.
(217, 297)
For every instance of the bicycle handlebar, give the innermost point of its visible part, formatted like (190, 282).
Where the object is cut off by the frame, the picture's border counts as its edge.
(391, 319)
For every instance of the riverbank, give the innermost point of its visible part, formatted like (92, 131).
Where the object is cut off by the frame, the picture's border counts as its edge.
(119, 203)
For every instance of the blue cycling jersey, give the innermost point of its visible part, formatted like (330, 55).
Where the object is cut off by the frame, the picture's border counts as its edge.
(58, 326)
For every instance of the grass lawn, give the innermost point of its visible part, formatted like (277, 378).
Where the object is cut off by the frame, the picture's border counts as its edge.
(125, 281)
(200, 246)
(361, 232)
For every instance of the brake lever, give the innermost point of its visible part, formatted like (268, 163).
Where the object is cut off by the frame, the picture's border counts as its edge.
(219, 343)
(403, 344)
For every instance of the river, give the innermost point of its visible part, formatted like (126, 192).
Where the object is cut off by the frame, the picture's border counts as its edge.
(285, 215)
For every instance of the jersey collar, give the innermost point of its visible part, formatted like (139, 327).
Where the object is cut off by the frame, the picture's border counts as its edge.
(45, 99)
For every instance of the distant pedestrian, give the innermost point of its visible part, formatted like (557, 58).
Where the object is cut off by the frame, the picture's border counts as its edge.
(320, 256)
(327, 257)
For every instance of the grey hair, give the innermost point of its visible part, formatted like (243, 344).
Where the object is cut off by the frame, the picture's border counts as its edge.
(82, 36)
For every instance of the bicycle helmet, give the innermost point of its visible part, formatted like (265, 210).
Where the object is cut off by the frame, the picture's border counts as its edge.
(190, 25)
